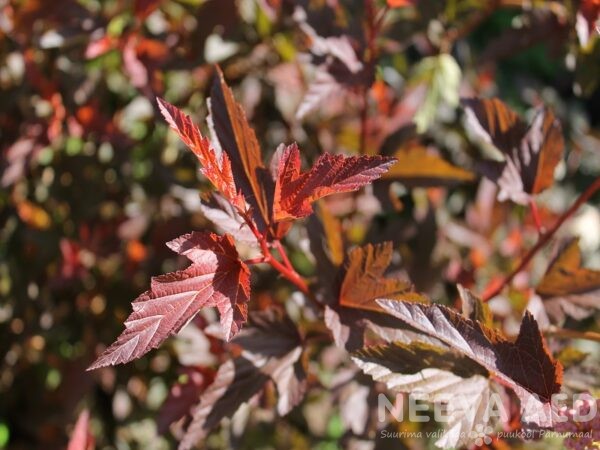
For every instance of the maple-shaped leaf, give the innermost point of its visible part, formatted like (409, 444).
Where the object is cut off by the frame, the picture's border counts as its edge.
(364, 280)
(531, 153)
(296, 190)
(437, 375)
(234, 136)
(216, 278)
(567, 288)
(417, 166)
(82, 438)
(525, 365)
(216, 166)
(271, 351)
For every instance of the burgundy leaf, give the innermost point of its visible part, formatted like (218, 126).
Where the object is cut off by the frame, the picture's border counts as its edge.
(531, 153)
(234, 136)
(271, 351)
(216, 278)
(183, 395)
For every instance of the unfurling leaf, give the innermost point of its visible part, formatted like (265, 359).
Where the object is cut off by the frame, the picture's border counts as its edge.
(524, 365)
(567, 288)
(271, 351)
(364, 281)
(216, 278)
(296, 190)
(531, 153)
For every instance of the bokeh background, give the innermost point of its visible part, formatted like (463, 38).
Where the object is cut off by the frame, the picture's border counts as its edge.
(93, 183)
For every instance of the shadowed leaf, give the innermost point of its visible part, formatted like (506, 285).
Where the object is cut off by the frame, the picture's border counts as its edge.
(438, 376)
(531, 153)
(271, 351)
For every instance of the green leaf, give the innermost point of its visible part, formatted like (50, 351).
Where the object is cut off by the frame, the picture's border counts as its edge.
(441, 77)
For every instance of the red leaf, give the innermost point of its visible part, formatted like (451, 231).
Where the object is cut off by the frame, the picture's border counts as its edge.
(216, 278)
(524, 365)
(82, 439)
(295, 191)
(216, 167)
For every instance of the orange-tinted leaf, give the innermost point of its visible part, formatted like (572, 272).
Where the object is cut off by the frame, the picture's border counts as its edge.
(569, 288)
(237, 140)
(418, 165)
(566, 276)
(216, 278)
(332, 230)
(400, 3)
(364, 281)
(295, 191)
(531, 153)
(33, 215)
(216, 167)
(525, 365)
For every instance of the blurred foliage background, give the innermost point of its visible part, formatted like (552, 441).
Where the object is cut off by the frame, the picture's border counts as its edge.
(93, 184)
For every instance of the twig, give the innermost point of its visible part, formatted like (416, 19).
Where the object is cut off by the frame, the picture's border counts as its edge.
(468, 26)
(572, 334)
(544, 238)
(374, 25)
(285, 269)
(536, 216)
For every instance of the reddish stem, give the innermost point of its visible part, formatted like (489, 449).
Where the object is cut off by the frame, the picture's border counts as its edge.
(286, 269)
(283, 254)
(544, 238)
(374, 25)
(536, 216)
